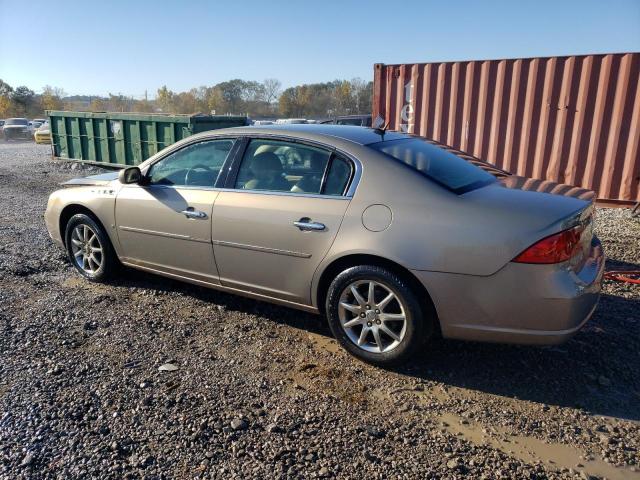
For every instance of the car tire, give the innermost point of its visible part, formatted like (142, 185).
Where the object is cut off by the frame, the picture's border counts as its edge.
(385, 330)
(89, 248)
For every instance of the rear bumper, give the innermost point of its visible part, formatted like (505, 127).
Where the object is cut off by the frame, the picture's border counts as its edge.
(524, 304)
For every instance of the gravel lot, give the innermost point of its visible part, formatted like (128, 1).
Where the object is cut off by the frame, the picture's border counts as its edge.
(264, 391)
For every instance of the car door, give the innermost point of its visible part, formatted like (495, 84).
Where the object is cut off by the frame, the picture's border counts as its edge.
(164, 223)
(279, 217)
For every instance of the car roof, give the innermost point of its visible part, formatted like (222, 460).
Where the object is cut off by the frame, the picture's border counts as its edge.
(347, 133)
(320, 132)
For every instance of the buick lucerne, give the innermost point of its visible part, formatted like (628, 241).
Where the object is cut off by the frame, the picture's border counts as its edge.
(394, 238)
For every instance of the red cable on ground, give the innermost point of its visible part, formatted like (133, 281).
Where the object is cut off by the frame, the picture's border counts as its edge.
(627, 276)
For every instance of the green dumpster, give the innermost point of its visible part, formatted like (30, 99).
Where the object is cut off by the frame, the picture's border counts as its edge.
(121, 139)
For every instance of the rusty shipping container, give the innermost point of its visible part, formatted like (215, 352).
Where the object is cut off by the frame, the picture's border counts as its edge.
(573, 120)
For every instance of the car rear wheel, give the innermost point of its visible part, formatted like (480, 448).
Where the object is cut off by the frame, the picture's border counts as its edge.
(376, 315)
(89, 248)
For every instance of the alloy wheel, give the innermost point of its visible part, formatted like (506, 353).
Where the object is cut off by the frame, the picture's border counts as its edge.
(86, 249)
(372, 315)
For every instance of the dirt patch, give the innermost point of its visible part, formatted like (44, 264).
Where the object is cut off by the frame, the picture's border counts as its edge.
(532, 450)
(325, 343)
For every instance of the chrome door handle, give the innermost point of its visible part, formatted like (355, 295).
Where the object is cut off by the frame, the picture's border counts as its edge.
(305, 224)
(193, 214)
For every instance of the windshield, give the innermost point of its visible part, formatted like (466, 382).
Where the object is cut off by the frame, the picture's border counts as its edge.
(436, 163)
(17, 121)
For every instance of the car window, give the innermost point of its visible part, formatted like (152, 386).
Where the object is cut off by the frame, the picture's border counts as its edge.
(337, 177)
(436, 163)
(349, 121)
(196, 165)
(17, 121)
(282, 166)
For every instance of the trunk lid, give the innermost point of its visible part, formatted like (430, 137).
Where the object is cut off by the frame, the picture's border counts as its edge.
(518, 212)
(584, 218)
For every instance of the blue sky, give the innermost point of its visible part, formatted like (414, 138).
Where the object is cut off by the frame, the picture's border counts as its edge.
(119, 46)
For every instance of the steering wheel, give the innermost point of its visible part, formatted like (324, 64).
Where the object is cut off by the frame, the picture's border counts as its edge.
(194, 169)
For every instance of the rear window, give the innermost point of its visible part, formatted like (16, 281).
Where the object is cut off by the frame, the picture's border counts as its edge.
(437, 164)
(349, 121)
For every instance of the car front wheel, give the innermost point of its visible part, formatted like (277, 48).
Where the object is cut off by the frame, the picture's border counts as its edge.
(376, 315)
(89, 248)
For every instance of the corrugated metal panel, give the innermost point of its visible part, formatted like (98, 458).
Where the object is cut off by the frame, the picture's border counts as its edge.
(121, 139)
(573, 120)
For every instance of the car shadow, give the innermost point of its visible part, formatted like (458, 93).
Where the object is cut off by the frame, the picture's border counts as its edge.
(620, 265)
(295, 318)
(169, 197)
(593, 371)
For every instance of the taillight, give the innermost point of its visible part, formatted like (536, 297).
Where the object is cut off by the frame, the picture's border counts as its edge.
(554, 248)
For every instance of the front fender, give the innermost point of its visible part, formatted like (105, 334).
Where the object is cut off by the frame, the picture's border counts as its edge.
(99, 200)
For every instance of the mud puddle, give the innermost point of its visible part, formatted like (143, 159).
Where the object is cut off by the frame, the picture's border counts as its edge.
(532, 450)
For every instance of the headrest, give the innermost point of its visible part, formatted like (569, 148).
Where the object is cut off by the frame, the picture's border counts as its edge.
(266, 162)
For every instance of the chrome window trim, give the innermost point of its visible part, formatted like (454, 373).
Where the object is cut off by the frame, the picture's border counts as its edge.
(285, 193)
(259, 192)
(180, 187)
(355, 180)
(357, 165)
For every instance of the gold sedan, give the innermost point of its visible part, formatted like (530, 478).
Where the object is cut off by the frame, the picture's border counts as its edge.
(392, 237)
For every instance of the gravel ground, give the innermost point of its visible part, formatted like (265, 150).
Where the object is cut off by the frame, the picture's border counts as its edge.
(260, 391)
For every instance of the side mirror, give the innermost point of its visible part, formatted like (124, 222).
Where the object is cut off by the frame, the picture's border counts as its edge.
(130, 175)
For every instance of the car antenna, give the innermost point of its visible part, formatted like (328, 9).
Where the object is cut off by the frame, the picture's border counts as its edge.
(379, 126)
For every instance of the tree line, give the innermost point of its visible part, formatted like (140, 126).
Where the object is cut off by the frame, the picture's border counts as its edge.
(24, 102)
(264, 99)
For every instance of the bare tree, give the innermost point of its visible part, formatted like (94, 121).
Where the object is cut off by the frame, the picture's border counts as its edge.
(51, 98)
(272, 89)
(165, 99)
